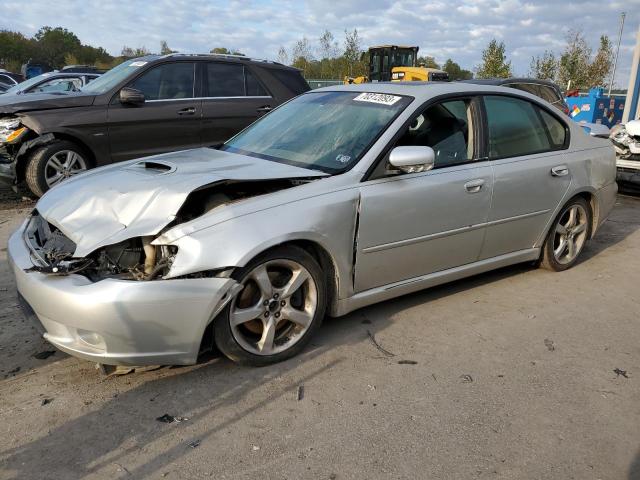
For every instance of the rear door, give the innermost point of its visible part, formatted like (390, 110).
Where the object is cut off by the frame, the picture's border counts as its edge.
(170, 118)
(234, 97)
(527, 149)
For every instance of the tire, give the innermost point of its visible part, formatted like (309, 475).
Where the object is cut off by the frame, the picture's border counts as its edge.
(567, 236)
(62, 158)
(255, 328)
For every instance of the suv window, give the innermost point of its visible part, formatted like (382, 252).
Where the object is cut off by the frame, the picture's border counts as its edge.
(518, 127)
(167, 81)
(58, 85)
(550, 95)
(254, 88)
(447, 128)
(225, 80)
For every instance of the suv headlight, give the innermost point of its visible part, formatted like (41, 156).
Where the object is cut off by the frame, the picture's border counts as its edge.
(10, 130)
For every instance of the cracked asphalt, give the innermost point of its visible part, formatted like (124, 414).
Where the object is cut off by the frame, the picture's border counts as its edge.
(506, 375)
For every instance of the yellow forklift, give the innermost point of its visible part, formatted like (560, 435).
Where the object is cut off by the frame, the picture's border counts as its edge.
(397, 63)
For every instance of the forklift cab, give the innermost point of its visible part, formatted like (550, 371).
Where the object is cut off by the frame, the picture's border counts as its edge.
(382, 59)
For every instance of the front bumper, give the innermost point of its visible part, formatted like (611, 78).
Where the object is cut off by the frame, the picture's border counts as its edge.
(628, 171)
(120, 322)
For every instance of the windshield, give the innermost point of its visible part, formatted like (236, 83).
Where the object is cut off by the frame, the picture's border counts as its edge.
(28, 83)
(403, 58)
(327, 131)
(114, 76)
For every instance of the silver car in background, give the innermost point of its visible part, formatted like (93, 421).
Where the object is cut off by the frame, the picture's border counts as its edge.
(340, 198)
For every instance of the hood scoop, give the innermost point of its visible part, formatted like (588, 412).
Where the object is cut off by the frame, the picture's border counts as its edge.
(152, 167)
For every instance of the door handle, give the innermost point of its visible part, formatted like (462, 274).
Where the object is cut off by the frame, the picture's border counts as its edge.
(187, 111)
(264, 109)
(474, 186)
(560, 171)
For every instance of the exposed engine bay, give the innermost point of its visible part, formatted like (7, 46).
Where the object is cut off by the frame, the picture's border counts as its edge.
(137, 258)
(626, 140)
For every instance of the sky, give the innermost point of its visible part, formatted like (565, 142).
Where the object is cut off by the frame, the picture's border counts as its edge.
(457, 29)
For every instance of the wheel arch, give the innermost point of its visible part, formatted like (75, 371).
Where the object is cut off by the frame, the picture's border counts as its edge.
(42, 141)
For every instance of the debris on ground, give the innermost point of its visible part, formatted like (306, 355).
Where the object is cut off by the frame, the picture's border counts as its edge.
(300, 395)
(549, 344)
(466, 378)
(122, 468)
(166, 418)
(407, 362)
(371, 387)
(44, 354)
(46, 401)
(619, 372)
(194, 444)
(377, 345)
(255, 448)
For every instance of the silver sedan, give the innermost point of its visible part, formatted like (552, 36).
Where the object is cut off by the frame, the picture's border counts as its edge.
(340, 198)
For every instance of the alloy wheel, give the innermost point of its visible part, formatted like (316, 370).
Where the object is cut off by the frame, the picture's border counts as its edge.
(570, 234)
(62, 165)
(275, 308)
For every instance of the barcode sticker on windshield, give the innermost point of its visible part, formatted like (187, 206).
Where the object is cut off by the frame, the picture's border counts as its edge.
(382, 98)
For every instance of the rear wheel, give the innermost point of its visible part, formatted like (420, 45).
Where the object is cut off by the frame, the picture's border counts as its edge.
(278, 310)
(51, 164)
(567, 236)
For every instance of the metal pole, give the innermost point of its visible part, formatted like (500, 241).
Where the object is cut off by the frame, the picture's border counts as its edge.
(615, 62)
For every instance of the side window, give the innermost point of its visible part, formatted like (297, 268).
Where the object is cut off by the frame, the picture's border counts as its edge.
(225, 80)
(254, 88)
(167, 81)
(556, 129)
(447, 128)
(516, 128)
(59, 85)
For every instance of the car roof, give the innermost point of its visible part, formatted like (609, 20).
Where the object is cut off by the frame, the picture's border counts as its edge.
(223, 56)
(504, 81)
(422, 90)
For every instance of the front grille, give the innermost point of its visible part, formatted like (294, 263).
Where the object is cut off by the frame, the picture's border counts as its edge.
(46, 242)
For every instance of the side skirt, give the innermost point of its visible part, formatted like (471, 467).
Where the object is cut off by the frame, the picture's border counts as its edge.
(411, 285)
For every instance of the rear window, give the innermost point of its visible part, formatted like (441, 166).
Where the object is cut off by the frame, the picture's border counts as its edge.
(518, 127)
(549, 94)
(292, 79)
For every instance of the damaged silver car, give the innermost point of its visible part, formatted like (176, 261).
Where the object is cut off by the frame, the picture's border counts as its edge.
(338, 199)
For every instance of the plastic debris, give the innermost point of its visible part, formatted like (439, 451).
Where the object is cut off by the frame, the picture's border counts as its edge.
(194, 444)
(466, 378)
(619, 372)
(549, 344)
(407, 362)
(166, 418)
(377, 345)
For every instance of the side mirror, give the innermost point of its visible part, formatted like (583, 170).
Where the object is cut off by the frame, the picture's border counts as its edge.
(131, 96)
(412, 159)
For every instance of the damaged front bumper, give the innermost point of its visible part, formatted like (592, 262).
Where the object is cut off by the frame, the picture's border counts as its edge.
(120, 322)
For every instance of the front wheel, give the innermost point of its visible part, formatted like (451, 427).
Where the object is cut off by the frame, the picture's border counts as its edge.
(281, 305)
(54, 163)
(567, 236)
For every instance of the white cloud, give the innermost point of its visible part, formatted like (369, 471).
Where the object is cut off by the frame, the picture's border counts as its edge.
(459, 29)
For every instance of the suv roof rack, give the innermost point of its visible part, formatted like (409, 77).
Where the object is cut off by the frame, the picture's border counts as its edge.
(222, 55)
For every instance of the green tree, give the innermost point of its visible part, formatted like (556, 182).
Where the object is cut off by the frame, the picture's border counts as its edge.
(573, 68)
(544, 67)
(54, 43)
(494, 61)
(428, 62)
(353, 54)
(129, 52)
(221, 51)
(164, 48)
(455, 72)
(600, 68)
(15, 49)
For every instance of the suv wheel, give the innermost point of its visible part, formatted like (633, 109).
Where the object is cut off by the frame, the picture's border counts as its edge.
(280, 307)
(54, 163)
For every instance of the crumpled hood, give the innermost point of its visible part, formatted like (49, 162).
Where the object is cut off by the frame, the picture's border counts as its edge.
(140, 197)
(10, 103)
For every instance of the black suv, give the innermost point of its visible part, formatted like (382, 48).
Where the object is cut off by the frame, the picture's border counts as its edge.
(144, 106)
(544, 89)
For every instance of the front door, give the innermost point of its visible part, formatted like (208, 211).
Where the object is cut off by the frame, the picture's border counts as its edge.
(419, 223)
(531, 172)
(170, 118)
